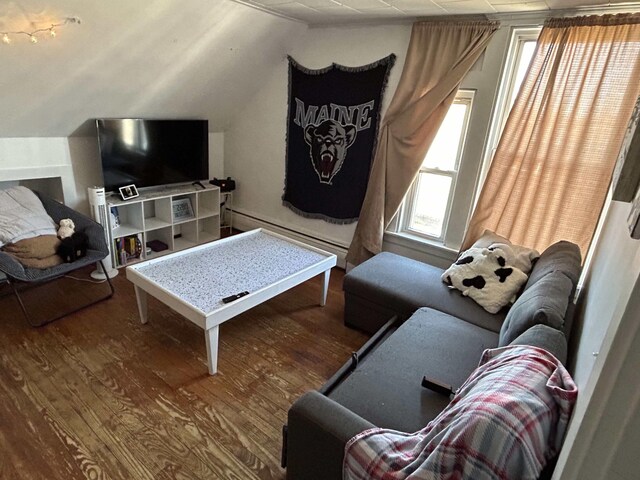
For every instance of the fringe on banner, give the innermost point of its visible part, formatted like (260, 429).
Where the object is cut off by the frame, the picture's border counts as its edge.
(390, 59)
(319, 216)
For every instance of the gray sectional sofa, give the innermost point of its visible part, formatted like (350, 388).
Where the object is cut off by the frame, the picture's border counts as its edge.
(422, 328)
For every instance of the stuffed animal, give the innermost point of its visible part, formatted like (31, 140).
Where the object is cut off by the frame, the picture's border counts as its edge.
(66, 229)
(72, 248)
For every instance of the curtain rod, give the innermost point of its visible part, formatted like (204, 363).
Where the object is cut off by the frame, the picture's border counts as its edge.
(568, 12)
(534, 16)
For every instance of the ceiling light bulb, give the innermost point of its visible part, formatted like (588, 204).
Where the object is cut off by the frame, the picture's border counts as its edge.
(52, 32)
(34, 39)
(6, 39)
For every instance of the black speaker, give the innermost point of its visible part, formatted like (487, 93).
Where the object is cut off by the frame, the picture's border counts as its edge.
(227, 185)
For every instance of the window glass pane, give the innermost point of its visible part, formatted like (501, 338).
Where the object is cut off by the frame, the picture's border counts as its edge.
(443, 152)
(430, 207)
(528, 48)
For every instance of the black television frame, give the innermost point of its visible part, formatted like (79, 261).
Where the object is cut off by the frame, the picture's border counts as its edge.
(159, 186)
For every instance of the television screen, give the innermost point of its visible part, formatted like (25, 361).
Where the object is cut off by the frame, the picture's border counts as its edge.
(149, 153)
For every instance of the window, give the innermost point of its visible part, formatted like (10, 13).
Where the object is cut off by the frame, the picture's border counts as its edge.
(437, 206)
(428, 204)
(523, 44)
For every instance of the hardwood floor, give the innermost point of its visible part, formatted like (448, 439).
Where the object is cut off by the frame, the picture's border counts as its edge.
(98, 395)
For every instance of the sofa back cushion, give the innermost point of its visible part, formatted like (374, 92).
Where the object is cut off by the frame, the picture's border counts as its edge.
(544, 303)
(547, 294)
(547, 338)
(563, 257)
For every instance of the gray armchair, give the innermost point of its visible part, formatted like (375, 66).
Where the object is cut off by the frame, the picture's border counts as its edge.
(19, 277)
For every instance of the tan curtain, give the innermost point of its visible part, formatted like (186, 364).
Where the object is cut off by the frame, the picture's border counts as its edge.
(438, 57)
(551, 171)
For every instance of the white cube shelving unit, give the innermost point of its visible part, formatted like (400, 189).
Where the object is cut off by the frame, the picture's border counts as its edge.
(151, 217)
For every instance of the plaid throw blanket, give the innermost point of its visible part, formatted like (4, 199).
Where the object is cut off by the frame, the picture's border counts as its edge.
(505, 422)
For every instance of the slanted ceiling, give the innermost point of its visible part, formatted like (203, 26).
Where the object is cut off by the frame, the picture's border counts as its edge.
(152, 58)
(171, 58)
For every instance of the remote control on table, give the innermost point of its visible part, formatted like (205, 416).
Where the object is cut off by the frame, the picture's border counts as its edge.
(232, 298)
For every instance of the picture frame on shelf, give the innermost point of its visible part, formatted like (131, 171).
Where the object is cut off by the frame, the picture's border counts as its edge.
(182, 209)
(128, 192)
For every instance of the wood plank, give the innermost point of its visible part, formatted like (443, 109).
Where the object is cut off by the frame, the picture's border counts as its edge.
(71, 434)
(18, 444)
(97, 394)
(161, 438)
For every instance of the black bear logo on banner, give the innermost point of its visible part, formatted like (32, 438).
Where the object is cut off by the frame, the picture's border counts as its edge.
(333, 115)
(329, 142)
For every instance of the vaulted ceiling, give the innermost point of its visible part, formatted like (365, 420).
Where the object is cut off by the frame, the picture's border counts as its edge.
(151, 58)
(171, 58)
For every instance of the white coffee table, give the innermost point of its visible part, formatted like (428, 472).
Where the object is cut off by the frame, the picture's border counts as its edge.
(193, 282)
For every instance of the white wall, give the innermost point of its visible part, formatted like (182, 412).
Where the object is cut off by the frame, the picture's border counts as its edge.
(607, 288)
(38, 158)
(255, 141)
(86, 170)
(607, 321)
(31, 153)
(623, 412)
(216, 155)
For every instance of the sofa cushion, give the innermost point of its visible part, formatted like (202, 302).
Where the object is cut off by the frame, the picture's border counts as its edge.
(563, 257)
(403, 285)
(547, 338)
(385, 388)
(544, 303)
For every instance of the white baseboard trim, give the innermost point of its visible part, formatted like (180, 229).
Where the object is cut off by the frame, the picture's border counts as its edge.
(244, 222)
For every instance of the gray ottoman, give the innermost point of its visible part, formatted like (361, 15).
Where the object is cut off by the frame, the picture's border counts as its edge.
(389, 284)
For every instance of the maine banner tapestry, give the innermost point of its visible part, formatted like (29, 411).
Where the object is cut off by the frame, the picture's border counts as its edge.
(332, 129)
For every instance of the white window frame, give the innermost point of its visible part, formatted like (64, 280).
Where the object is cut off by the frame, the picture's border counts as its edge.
(466, 97)
(519, 36)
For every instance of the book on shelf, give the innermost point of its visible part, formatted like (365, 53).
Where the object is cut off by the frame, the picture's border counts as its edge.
(127, 249)
(115, 217)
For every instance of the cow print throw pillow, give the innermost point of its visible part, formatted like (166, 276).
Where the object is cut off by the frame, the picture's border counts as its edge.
(517, 256)
(485, 275)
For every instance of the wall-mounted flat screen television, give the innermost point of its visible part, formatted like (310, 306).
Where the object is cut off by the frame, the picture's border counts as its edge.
(150, 153)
